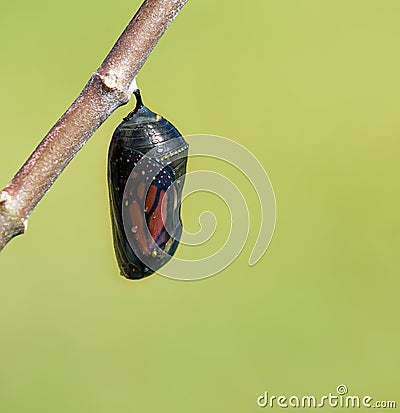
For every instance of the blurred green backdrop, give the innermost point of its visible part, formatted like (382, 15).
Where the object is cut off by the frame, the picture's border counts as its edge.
(312, 88)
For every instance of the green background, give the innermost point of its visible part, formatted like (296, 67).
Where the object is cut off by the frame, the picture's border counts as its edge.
(312, 88)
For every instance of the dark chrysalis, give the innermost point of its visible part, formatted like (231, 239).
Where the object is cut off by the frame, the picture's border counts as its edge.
(146, 171)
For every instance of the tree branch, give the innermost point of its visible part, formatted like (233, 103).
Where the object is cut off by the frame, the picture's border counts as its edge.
(108, 88)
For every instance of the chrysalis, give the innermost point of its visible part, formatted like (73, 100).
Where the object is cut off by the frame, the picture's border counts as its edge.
(146, 171)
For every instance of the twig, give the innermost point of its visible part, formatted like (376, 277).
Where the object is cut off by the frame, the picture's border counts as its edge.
(108, 88)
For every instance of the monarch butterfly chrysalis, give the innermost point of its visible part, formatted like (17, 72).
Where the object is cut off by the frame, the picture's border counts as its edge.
(146, 171)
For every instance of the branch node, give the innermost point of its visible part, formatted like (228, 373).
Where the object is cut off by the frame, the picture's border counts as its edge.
(111, 83)
(11, 224)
